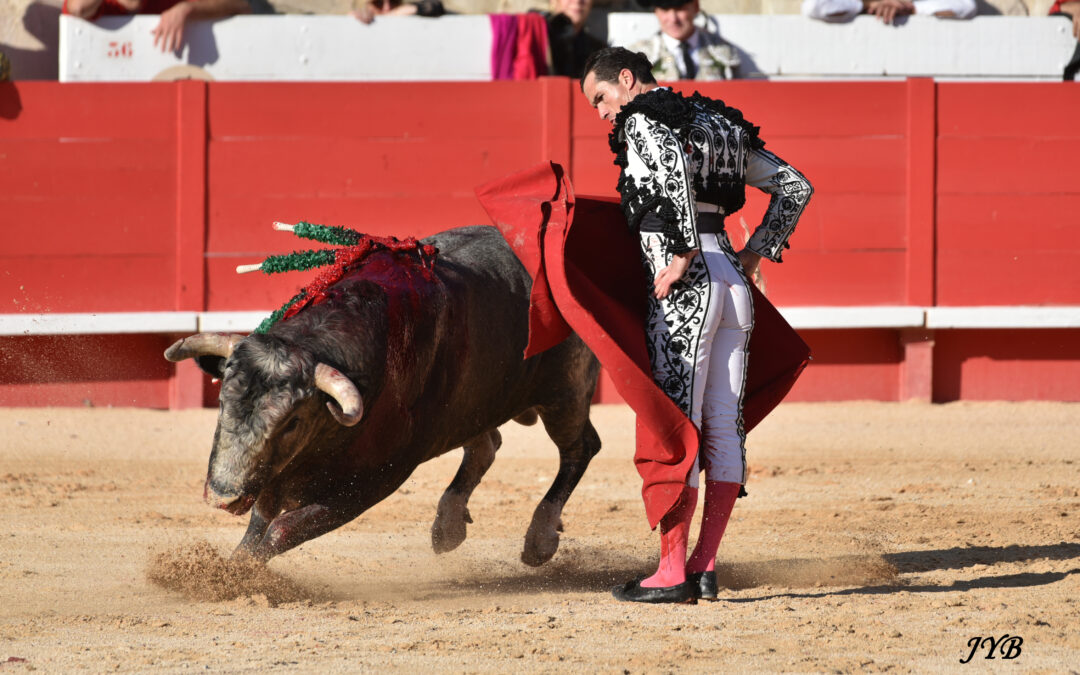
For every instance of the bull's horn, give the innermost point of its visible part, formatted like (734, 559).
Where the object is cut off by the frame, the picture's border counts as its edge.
(203, 344)
(341, 389)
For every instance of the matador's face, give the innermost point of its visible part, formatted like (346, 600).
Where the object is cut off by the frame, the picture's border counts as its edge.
(609, 97)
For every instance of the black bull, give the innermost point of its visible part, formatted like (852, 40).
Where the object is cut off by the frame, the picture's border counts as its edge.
(330, 411)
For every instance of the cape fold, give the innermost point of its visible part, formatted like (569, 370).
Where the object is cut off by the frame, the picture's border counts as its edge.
(587, 277)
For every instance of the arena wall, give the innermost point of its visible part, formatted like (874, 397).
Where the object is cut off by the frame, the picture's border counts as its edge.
(939, 259)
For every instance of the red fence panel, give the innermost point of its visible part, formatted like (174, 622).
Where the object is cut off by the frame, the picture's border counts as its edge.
(1008, 194)
(88, 198)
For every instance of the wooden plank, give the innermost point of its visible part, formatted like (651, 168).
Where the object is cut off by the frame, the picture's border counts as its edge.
(406, 110)
(66, 283)
(809, 277)
(990, 109)
(855, 221)
(997, 166)
(1009, 222)
(96, 169)
(111, 111)
(113, 224)
(921, 167)
(1008, 278)
(190, 228)
(362, 167)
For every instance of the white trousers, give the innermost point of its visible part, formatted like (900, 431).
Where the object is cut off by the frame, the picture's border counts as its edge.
(698, 339)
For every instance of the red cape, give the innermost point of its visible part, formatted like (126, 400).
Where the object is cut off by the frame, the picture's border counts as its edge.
(587, 277)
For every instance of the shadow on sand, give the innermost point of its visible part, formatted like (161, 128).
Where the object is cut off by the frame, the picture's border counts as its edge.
(587, 569)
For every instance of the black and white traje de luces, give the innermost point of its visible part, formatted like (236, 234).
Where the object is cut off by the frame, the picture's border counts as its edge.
(685, 165)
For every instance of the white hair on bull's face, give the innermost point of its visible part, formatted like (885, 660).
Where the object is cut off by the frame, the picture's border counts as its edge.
(263, 383)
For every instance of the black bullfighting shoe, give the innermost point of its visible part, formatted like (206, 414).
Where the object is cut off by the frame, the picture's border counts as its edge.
(633, 591)
(704, 584)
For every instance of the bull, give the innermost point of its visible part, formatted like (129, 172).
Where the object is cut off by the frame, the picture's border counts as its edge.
(330, 411)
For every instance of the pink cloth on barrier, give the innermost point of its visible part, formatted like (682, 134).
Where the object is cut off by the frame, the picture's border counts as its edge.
(504, 33)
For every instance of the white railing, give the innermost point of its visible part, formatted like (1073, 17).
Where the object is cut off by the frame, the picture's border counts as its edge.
(329, 48)
(807, 318)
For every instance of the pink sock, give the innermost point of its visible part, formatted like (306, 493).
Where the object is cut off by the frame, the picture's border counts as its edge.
(719, 502)
(674, 533)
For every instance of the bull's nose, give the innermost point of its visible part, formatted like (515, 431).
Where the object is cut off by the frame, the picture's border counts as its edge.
(236, 503)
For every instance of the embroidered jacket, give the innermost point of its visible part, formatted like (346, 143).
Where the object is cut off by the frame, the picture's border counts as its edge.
(717, 59)
(678, 153)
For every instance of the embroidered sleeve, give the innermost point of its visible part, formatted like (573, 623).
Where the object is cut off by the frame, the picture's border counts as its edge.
(790, 193)
(655, 179)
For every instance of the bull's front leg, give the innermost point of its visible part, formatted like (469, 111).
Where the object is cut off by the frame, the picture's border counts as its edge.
(449, 528)
(262, 514)
(292, 528)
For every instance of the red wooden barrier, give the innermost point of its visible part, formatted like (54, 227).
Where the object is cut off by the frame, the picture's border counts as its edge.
(144, 197)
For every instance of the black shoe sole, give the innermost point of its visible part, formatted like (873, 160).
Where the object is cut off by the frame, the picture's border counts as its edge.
(633, 591)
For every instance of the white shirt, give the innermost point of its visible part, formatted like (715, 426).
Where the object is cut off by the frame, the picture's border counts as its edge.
(675, 47)
(846, 10)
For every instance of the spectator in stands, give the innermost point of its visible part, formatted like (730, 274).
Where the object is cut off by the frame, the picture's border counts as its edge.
(1070, 9)
(569, 42)
(374, 8)
(169, 32)
(683, 50)
(887, 10)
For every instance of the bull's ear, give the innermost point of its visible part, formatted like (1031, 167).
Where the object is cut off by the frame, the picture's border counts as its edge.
(214, 366)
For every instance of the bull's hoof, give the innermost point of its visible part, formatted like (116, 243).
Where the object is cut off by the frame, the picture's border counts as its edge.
(542, 539)
(449, 529)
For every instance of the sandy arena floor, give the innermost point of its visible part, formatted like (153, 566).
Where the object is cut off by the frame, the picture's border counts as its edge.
(875, 537)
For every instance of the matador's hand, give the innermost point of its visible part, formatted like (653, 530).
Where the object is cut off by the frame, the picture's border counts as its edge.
(672, 273)
(750, 262)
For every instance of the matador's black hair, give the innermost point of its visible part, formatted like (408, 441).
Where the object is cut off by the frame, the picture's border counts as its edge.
(607, 63)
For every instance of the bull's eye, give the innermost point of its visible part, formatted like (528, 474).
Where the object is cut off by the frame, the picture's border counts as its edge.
(291, 426)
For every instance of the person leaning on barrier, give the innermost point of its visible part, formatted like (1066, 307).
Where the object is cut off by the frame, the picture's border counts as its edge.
(1070, 9)
(886, 10)
(175, 14)
(373, 8)
(569, 41)
(682, 50)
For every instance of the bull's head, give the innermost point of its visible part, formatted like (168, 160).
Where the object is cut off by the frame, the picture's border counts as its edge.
(269, 409)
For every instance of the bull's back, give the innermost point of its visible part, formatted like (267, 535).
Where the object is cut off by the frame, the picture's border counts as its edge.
(488, 290)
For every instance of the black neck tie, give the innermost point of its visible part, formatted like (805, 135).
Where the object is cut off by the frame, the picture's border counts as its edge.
(688, 60)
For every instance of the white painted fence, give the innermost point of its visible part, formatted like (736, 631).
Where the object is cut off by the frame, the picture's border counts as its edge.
(323, 48)
(832, 318)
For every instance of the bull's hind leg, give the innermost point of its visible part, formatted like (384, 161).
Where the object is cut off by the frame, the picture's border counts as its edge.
(569, 426)
(448, 530)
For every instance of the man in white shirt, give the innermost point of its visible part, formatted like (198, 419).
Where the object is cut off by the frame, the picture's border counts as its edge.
(688, 45)
(887, 10)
